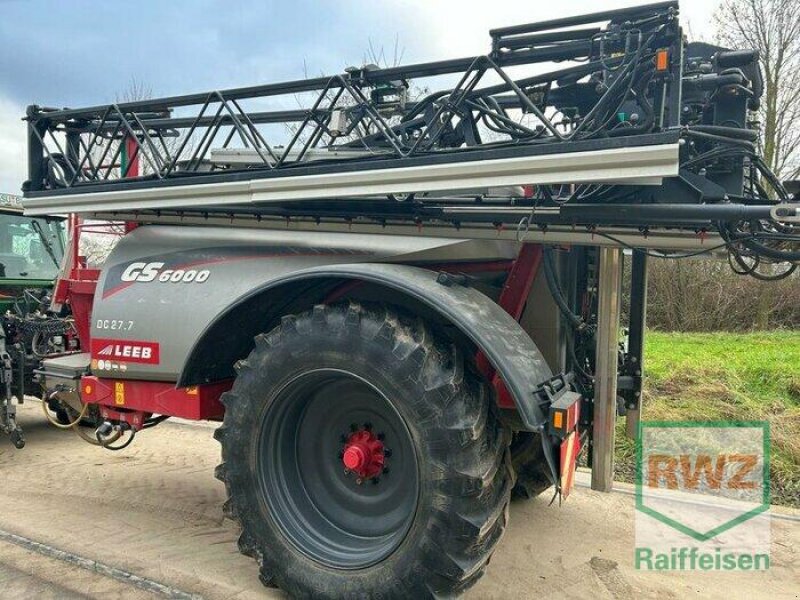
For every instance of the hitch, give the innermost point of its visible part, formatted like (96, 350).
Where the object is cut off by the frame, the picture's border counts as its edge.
(116, 424)
(109, 433)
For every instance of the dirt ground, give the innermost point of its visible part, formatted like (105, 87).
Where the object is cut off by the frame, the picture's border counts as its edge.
(154, 511)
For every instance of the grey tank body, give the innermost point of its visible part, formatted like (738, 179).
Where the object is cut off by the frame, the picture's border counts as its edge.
(162, 285)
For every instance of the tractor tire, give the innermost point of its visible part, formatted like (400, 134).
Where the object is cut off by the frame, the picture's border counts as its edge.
(363, 458)
(530, 466)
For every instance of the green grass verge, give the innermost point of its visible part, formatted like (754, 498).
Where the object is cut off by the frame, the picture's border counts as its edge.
(726, 376)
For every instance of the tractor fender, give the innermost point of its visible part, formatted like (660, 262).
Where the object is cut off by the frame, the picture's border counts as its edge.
(508, 348)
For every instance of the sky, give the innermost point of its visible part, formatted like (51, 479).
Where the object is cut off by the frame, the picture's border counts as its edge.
(80, 52)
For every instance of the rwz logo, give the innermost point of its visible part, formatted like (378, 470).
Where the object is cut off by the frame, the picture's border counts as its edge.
(702, 471)
(702, 495)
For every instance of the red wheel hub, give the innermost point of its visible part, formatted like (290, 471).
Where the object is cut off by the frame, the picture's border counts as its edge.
(363, 454)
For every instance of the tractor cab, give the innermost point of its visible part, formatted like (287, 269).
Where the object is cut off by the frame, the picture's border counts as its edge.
(31, 249)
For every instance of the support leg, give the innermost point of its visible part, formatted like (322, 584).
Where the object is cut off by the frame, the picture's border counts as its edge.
(605, 396)
(638, 320)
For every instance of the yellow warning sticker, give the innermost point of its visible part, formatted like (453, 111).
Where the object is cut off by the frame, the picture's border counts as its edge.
(119, 393)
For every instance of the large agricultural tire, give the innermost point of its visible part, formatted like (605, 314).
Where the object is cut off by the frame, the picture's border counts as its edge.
(328, 388)
(530, 466)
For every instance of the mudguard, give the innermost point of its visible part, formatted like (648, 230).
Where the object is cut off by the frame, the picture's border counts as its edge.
(509, 349)
(506, 345)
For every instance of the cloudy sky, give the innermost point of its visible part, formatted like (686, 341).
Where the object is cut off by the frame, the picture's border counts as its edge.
(82, 52)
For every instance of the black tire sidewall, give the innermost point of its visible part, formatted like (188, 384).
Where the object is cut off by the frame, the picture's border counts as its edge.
(376, 361)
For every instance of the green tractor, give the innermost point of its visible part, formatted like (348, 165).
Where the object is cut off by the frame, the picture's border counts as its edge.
(31, 250)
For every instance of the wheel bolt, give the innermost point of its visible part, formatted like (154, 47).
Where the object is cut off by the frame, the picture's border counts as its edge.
(385, 470)
(359, 481)
(368, 426)
(387, 453)
(347, 471)
(376, 480)
(381, 436)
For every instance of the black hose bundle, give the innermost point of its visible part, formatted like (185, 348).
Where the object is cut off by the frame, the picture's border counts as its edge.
(576, 321)
(43, 325)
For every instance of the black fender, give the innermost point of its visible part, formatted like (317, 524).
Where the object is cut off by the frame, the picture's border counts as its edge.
(508, 348)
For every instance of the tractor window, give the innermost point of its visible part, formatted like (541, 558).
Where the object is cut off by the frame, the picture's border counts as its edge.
(30, 248)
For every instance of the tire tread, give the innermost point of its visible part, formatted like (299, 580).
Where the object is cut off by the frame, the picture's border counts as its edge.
(470, 450)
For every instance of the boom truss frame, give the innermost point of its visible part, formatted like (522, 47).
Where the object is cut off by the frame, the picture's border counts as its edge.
(366, 112)
(640, 132)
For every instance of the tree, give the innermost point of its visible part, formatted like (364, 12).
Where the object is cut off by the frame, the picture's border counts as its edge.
(773, 28)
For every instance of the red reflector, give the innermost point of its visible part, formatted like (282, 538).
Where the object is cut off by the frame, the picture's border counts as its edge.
(570, 448)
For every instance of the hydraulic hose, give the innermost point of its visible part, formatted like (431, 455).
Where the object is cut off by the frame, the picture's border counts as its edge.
(734, 132)
(106, 443)
(555, 290)
(75, 425)
(55, 423)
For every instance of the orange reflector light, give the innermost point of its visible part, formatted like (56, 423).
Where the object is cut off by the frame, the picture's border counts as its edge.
(662, 60)
(565, 413)
(558, 419)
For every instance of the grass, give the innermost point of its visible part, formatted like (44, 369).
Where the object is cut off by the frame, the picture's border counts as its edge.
(726, 376)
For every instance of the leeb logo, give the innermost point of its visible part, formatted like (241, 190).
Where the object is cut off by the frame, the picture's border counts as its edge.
(702, 496)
